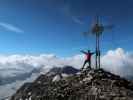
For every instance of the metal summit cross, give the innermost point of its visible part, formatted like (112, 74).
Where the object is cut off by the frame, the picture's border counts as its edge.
(97, 30)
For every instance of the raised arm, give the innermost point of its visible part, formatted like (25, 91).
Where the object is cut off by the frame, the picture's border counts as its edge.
(83, 52)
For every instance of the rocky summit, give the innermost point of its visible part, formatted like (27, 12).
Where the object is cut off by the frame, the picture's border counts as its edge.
(89, 84)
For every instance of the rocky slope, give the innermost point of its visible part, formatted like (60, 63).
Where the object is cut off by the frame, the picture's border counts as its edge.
(86, 85)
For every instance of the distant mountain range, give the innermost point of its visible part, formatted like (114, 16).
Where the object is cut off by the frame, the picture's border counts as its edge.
(65, 70)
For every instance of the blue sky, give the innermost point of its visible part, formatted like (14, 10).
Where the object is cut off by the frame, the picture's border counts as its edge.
(55, 26)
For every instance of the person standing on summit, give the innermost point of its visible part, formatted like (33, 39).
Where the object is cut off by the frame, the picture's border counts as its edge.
(88, 58)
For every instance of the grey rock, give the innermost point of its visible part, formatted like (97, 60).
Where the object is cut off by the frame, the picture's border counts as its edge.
(88, 85)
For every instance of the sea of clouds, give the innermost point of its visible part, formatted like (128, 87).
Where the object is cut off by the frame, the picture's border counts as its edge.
(117, 61)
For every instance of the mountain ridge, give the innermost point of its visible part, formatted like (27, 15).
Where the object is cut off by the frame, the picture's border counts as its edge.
(84, 85)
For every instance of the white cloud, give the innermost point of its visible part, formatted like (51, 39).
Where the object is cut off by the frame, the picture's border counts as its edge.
(118, 61)
(11, 27)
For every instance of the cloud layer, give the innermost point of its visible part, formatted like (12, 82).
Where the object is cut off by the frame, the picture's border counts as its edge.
(117, 61)
(17, 64)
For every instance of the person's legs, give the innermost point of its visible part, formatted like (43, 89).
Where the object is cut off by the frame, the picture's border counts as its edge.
(84, 64)
(89, 63)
